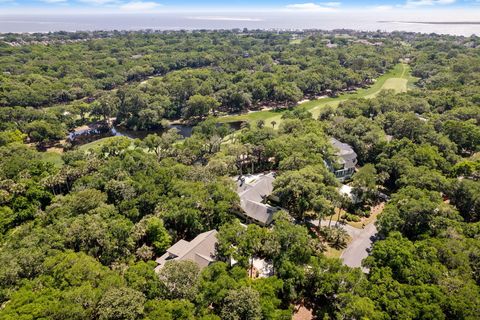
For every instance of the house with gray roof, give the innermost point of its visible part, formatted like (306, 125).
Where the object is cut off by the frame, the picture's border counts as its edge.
(344, 167)
(200, 250)
(253, 191)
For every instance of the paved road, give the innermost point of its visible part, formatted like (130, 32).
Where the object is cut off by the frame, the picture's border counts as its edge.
(361, 241)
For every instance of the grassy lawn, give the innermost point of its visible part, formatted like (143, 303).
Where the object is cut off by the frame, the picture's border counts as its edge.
(397, 84)
(397, 79)
(333, 253)
(52, 157)
(95, 145)
(375, 212)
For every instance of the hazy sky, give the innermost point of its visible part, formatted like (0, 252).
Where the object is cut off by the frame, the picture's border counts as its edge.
(457, 8)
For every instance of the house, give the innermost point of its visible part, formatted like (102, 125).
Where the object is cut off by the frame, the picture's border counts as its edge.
(347, 160)
(253, 191)
(200, 250)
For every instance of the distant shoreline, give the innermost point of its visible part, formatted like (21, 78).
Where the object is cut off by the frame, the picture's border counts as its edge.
(435, 22)
(291, 21)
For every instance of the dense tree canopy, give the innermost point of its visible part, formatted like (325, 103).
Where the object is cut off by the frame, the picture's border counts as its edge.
(80, 230)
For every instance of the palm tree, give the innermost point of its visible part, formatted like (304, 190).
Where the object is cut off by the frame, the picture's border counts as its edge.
(51, 183)
(257, 152)
(339, 238)
(342, 204)
(273, 123)
(321, 207)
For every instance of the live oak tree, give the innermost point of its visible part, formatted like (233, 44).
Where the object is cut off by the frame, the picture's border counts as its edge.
(179, 279)
(240, 304)
(466, 134)
(466, 197)
(121, 303)
(415, 212)
(199, 106)
(142, 277)
(169, 309)
(298, 190)
(104, 108)
(43, 133)
(162, 144)
(364, 184)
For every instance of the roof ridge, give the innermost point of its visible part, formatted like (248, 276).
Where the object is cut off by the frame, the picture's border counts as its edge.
(261, 203)
(188, 251)
(204, 256)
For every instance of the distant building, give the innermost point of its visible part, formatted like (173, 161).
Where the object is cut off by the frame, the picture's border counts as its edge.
(200, 250)
(253, 191)
(347, 160)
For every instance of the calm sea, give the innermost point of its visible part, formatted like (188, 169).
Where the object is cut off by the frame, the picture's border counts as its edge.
(45, 23)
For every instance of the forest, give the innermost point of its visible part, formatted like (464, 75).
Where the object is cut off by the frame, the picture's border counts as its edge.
(82, 225)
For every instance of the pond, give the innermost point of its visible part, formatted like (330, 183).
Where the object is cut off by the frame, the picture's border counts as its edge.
(96, 132)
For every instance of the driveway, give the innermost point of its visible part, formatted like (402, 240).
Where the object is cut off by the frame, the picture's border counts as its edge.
(356, 250)
(361, 241)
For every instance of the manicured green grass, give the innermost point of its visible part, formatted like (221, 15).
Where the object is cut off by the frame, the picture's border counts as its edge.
(97, 145)
(396, 79)
(397, 84)
(401, 82)
(53, 157)
(94, 145)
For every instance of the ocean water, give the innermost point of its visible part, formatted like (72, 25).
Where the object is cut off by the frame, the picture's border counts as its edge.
(190, 21)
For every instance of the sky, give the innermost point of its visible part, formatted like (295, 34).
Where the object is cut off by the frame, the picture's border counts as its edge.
(152, 6)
